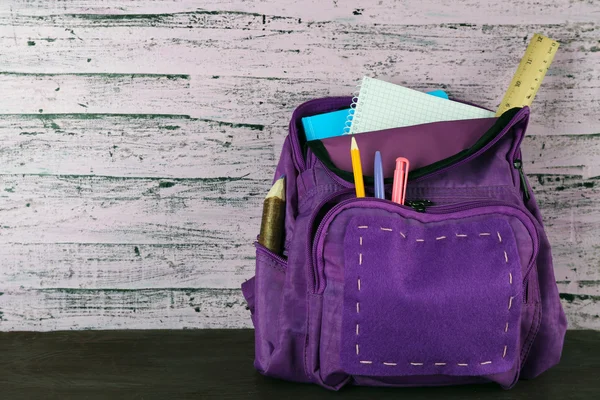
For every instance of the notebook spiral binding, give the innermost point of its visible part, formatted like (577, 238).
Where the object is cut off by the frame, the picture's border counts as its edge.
(353, 116)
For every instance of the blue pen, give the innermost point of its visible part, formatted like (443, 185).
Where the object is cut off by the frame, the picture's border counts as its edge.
(379, 189)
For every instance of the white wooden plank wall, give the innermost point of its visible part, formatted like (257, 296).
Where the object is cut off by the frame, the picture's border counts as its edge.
(137, 138)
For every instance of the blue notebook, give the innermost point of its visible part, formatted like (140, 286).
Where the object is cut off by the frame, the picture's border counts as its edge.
(326, 125)
(333, 123)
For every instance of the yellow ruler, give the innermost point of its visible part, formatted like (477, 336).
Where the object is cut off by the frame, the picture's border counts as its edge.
(529, 75)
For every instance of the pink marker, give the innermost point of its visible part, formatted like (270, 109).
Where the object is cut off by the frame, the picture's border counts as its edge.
(400, 180)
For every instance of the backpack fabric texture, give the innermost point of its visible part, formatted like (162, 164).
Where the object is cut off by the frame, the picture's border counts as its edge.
(455, 287)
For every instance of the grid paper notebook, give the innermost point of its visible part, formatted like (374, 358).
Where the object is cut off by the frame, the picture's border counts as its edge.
(384, 105)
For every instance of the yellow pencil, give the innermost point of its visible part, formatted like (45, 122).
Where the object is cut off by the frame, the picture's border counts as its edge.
(357, 168)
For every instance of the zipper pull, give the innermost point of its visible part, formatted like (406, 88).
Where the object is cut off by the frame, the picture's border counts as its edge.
(418, 205)
(518, 164)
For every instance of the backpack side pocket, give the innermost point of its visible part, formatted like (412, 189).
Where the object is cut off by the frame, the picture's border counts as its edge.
(264, 296)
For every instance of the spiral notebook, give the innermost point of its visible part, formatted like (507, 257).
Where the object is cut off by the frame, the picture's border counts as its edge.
(383, 105)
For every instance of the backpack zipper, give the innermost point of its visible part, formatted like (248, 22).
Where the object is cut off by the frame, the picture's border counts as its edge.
(419, 205)
(518, 164)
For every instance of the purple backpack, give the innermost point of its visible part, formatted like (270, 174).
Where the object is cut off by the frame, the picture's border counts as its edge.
(457, 286)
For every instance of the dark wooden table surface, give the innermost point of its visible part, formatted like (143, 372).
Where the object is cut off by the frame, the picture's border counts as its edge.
(217, 364)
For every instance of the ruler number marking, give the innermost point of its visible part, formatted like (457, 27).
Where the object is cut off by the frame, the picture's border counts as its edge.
(534, 65)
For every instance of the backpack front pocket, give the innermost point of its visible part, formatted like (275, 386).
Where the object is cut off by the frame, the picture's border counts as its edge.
(437, 295)
(430, 299)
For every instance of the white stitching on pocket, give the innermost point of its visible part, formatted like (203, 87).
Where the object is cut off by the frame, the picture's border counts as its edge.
(510, 300)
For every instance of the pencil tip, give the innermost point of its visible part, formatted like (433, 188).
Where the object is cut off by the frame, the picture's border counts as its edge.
(353, 146)
(277, 190)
